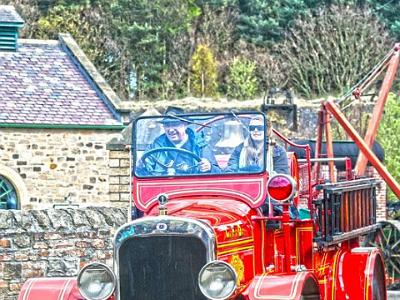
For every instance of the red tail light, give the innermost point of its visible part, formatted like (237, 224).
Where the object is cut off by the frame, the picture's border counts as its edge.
(281, 187)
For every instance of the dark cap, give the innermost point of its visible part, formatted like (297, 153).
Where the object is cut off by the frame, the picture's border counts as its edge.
(173, 111)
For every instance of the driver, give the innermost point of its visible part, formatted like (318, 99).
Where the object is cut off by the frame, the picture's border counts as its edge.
(179, 136)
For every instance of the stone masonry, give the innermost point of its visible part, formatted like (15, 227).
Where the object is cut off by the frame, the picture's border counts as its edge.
(53, 243)
(58, 165)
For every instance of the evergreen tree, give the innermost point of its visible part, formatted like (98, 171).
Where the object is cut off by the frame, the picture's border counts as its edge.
(388, 12)
(262, 22)
(146, 31)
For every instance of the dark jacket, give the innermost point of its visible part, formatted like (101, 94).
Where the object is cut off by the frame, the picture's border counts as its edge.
(181, 162)
(279, 158)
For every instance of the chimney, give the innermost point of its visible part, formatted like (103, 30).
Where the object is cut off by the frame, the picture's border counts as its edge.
(10, 22)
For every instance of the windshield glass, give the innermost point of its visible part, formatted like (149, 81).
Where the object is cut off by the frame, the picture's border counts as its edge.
(208, 144)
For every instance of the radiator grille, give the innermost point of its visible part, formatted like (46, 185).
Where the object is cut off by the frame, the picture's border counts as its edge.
(161, 268)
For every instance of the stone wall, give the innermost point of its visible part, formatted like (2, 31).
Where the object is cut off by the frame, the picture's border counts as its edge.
(53, 243)
(57, 165)
(119, 171)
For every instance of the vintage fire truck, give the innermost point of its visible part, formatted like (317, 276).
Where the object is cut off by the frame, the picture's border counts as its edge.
(222, 232)
(230, 234)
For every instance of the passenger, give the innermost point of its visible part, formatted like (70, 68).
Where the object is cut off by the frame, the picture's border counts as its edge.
(178, 135)
(249, 156)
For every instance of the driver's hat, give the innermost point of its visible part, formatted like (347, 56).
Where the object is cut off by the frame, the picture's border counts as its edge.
(174, 112)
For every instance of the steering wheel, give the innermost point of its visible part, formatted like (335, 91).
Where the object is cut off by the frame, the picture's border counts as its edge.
(169, 169)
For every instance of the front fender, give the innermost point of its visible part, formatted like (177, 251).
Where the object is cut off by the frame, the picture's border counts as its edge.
(282, 286)
(360, 275)
(50, 289)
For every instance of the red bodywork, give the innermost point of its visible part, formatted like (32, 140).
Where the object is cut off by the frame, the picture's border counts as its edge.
(275, 257)
(270, 263)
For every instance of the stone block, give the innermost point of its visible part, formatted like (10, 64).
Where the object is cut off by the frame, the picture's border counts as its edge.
(40, 245)
(82, 244)
(21, 256)
(15, 287)
(95, 218)
(118, 154)
(124, 188)
(62, 267)
(125, 196)
(114, 163)
(52, 236)
(114, 197)
(5, 243)
(6, 219)
(114, 188)
(34, 269)
(119, 172)
(124, 163)
(114, 180)
(12, 270)
(22, 240)
(41, 218)
(9, 256)
(60, 218)
(124, 180)
(79, 217)
(97, 244)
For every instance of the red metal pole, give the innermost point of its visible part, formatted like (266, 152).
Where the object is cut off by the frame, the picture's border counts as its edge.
(329, 147)
(335, 111)
(287, 237)
(378, 110)
(318, 142)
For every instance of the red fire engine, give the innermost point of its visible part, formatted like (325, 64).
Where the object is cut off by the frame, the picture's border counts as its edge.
(208, 227)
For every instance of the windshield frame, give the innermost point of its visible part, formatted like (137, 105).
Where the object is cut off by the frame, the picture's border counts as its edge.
(211, 118)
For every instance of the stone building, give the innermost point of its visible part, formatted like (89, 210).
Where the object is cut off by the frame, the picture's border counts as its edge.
(56, 115)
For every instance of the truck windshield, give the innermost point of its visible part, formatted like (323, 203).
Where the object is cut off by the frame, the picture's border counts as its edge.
(200, 144)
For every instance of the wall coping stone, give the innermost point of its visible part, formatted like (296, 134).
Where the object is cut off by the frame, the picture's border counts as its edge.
(65, 219)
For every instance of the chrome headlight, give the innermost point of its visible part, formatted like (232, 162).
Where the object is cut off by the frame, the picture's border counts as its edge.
(96, 281)
(217, 280)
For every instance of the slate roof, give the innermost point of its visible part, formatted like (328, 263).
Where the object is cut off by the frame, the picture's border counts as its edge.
(53, 83)
(9, 15)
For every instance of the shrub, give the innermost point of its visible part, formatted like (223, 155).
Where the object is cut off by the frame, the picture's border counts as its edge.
(388, 136)
(242, 79)
(269, 69)
(204, 72)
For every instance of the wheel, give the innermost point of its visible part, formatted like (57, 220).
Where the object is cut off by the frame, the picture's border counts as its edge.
(171, 166)
(387, 239)
(310, 291)
(378, 282)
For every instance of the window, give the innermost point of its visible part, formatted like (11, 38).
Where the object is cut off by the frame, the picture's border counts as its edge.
(8, 194)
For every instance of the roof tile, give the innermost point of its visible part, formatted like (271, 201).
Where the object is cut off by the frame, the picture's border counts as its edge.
(41, 84)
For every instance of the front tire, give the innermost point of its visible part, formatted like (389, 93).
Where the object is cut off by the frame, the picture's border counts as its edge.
(310, 291)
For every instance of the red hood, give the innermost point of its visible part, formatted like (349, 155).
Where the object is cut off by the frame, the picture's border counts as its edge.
(216, 212)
